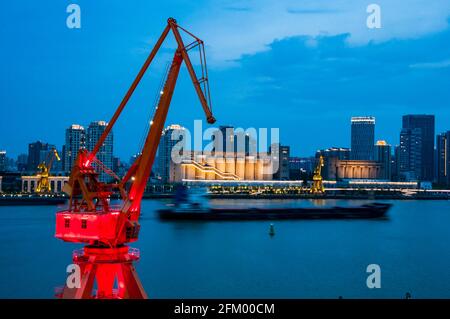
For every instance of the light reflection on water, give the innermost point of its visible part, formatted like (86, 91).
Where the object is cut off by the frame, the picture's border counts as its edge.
(305, 259)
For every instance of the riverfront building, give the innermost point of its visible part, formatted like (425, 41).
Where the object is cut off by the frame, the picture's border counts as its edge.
(198, 166)
(171, 135)
(362, 138)
(280, 160)
(383, 155)
(3, 161)
(105, 153)
(443, 159)
(74, 140)
(416, 161)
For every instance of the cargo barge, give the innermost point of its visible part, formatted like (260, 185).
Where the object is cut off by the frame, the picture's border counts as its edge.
(366, 211)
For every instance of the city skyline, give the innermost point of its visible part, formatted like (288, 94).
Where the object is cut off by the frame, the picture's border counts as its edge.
(377, 136)
(414, 159)
(339, 70)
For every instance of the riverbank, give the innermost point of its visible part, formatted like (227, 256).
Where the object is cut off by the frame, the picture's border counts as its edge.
(357, 195)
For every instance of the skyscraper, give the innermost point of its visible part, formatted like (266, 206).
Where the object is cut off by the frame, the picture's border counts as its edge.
(409, 158)
(22, 160)
(37, 153)
(384, 156)
(443, 159)
(223, 140)
(169, 138)
(362, 138)
(422, 125)
(3, 161)
(105, 153)
(75, 139)
(243, 144)
(280, 158)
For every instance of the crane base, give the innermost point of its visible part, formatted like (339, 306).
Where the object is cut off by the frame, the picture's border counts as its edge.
(113, 271)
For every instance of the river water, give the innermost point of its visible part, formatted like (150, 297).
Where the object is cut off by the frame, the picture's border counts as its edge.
(305, 258)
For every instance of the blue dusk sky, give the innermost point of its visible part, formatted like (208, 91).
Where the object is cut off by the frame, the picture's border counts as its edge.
(304, 67)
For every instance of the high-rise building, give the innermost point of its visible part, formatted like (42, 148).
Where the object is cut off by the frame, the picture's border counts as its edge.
(422, 125)
(409, 158)
(280, 159)
(75, 139)
(383, 154)
(362, 138)
(443, 159)
(243, 143)
(300, 166)
(37, 153)
(169, 138)
(230, 141)
(3, 161)
(341, 153)
(223, 140)
(105, 153)
(22, 161)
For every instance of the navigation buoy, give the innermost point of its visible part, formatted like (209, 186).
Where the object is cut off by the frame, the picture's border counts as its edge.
(271, 230)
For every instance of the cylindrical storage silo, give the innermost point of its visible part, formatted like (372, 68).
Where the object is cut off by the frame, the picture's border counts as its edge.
(259, 176)
(230, 165)
(240, 167)
(220, 165)
(190, 171)
(210, 164)
(267, 169)
(250, 168)
(200, 173)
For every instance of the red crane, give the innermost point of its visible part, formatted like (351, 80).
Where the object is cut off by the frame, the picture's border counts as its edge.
(105, 229)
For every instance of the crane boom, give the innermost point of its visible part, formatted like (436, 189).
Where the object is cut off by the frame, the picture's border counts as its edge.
(89, 198)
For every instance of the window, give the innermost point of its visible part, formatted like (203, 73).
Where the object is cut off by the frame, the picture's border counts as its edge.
(67, 223)
(84, 223)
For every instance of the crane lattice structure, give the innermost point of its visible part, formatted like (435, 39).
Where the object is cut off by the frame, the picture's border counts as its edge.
(317, 186)
(105, 229)
(43, 184)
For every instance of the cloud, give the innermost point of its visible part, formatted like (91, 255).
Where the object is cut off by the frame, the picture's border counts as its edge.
(304, 89)
(237, 8)
(310, 11)
(431, 65)
(231, 34)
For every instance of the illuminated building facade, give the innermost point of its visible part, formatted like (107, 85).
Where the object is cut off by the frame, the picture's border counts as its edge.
(418, 154)
(362, 138)
(410, 155)
(74, 140)
(336, 169)
(171, 135)
(209, 166)
(280, 156)
(443, 159)
(383, 155)
(29, 183)
(3, 161)
(105, 154)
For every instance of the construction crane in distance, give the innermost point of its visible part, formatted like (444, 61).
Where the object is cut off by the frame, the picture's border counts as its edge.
(104, 228)
(317, 186)
(43, 184)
